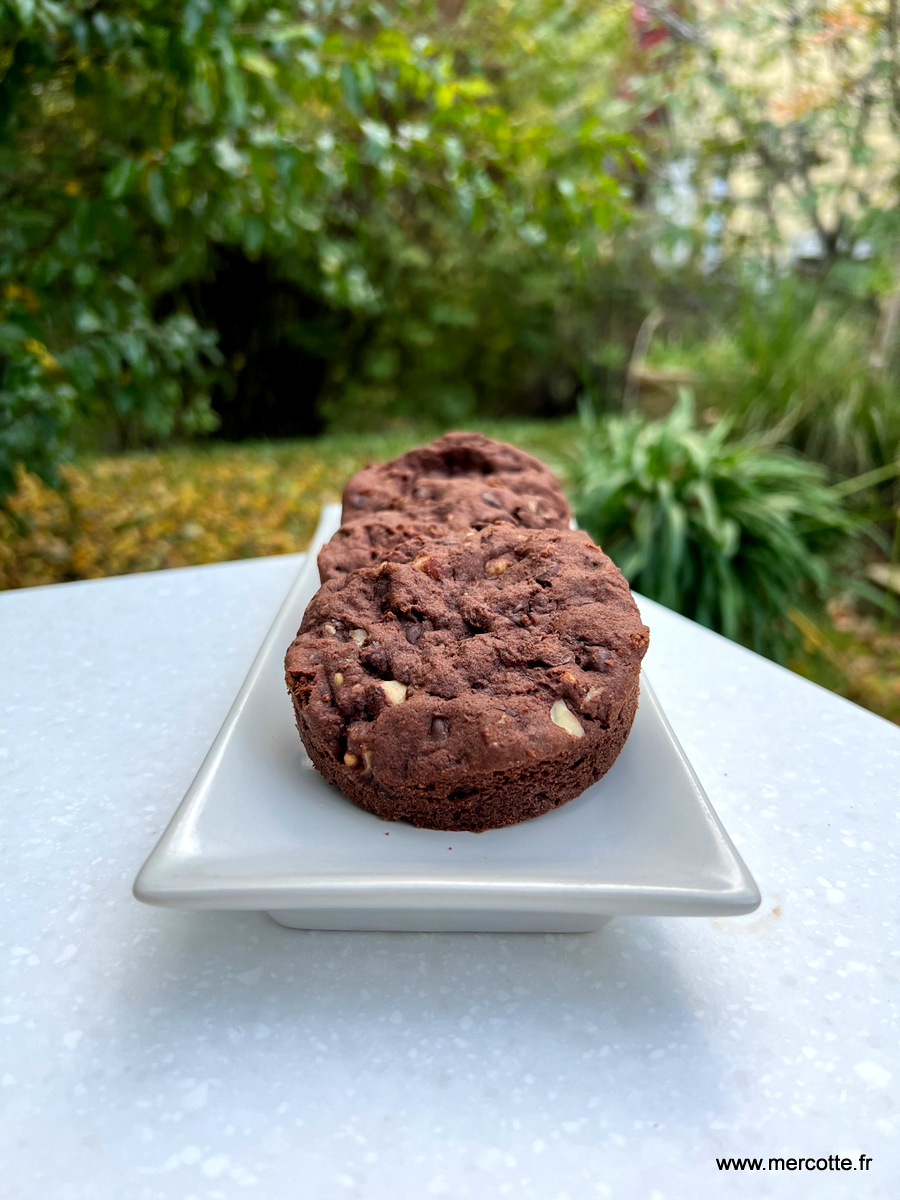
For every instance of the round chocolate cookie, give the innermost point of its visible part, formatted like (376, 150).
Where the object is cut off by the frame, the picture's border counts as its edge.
(488, 680)
(438, 506)
(433, 473)
(368, 540)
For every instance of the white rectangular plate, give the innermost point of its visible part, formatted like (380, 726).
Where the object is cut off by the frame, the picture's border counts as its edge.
(260, 829)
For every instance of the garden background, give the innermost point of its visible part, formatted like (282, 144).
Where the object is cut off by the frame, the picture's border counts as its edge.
(246, 248)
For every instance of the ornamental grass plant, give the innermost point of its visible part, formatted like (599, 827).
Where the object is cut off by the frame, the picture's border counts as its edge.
(727, 531)
(805, 375)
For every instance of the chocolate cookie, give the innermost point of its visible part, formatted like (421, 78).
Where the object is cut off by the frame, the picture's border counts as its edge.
(435, 507)
(423, 475)
(489, 680)
(366, 542)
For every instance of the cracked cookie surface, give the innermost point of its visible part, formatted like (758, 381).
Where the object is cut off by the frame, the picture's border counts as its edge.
(471, 680)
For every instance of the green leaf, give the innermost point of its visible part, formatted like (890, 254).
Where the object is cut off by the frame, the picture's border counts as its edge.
(157, 199)
(258, 64)
(120, 179)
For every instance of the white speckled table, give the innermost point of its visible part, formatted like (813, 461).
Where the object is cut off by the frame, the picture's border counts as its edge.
(152, 1053)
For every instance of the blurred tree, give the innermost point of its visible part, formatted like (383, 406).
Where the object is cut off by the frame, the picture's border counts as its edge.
(797, 105)
(775, 227)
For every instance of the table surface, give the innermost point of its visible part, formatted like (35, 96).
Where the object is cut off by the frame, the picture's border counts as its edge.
(152, 1053)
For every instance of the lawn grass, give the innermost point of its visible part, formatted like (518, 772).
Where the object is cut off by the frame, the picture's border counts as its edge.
(218, 501)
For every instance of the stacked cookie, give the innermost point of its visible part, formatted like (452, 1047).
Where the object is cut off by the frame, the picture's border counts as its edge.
(469, 661)
(460, 482)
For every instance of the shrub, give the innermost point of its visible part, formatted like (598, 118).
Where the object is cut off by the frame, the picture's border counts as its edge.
(433, 179)
(729, 533)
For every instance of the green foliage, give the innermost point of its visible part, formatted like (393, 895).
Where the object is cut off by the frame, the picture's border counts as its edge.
(727, 532)
(440, 182)
(36, 409)
(793, 363)
(805, 372)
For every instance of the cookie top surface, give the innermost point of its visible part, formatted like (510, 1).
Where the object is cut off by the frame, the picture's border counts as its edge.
(432, 473)
(482, 653)
(435, 507)
(462, 453)
(368, 540)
